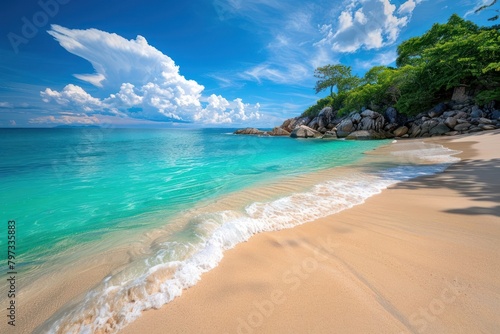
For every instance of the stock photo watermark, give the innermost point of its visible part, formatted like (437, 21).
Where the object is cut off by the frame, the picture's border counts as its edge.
(293, 278)
(11, 273)
(31, 25)
(425, 316)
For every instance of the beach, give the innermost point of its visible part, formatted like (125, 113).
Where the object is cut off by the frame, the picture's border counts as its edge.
(421, 257)
(250, 167)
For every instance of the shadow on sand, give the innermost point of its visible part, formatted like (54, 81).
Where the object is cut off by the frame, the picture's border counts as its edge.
(479, 180)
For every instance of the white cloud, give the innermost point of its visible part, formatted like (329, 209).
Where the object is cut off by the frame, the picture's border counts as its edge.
(407, 7)
(226, 80)
(478, 3)
(345, 21)
(220, 110)
(360, 17)
(291, 73)
(292, 57)
(12, 122)
(81, 119)
(384, 58)
(6, 105)
(95, 79)
(73, 96)
(367, 24)
(126, 96)
(148, 83)
(299, 44)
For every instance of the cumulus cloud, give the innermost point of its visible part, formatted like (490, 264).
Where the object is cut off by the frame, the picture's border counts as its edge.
(73, 96)
(220, 110)
(367, 24)
(148, 83)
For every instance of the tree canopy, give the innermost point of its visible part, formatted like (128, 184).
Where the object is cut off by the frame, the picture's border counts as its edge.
(429, 67)
(331, 76)
(410, 52)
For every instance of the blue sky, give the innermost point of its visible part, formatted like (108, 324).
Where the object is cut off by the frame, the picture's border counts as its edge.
(224, 63)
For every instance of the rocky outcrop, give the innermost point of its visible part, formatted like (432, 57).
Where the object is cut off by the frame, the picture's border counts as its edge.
(305, 132)
(439, 129)
(330, 135)
(462, 127)
(366, 135)
(298, 122)
(326, 118)
(277, 131)
(448, 119)
(401, 131)
(450, 122)
(454, 118)
(460, 94)
(371, 120)
(437, 110)
(476, 112)
(345, 128)
(495, 115)
(248, 131)
(391, 115)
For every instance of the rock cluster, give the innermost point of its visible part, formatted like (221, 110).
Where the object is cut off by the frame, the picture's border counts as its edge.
(444, 119)
(303, 131)
(248, 131)
(277, 131)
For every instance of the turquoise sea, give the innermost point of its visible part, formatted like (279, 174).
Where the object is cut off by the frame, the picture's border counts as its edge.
(70, 187)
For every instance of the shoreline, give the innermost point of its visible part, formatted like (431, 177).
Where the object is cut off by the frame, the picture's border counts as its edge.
(61, 290)
(57, 290)
(412, 259)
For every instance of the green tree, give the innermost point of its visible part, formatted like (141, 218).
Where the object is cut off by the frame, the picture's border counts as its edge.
(473, 61)
(339, 76)
(457, 53)
(410, 52)
(372, 76)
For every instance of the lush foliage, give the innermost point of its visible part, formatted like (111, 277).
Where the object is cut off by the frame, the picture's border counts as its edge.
(331, 76)
(320, 104)
(457, 53)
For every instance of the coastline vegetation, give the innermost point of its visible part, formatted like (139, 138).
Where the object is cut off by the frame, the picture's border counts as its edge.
(429, 68)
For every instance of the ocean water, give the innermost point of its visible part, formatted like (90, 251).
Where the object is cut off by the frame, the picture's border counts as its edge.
(70, 187)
